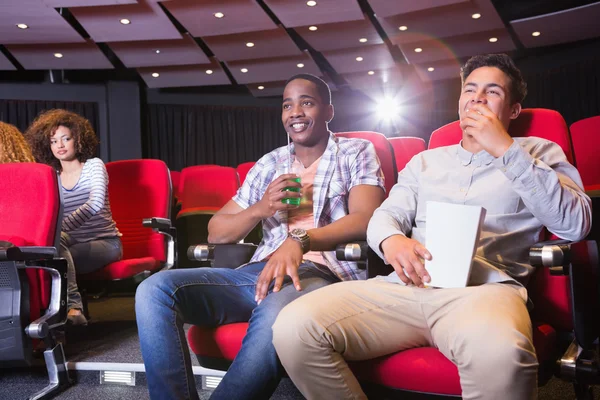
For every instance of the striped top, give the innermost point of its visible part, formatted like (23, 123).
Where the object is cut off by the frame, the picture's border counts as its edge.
(87, 214)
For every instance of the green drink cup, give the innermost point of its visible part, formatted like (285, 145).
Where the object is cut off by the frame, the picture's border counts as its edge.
(295, 201)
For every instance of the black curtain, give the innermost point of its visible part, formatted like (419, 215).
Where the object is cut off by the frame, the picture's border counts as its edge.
(21, 113)
(186, 135)
(573, 90)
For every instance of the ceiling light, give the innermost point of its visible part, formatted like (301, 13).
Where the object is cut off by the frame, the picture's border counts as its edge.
(403, 28)
(249, 44)
(219, 15)
(300, 65)
(363, 40)
(244, 70)
(418, 50)
(22, 26)
(209, 71)
(536, 33)
(125, 21)
(311, 3)
(476, 16)
(359, 58)
(371, 72)
(157, 51)
(312, 28)
(493, 40)
(430, 69)
(261, 87)
(58, 55)
(155, 74)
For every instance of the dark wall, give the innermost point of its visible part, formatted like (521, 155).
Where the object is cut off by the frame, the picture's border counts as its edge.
(119, 123)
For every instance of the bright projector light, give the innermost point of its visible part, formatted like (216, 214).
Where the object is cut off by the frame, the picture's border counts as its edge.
(387, 109)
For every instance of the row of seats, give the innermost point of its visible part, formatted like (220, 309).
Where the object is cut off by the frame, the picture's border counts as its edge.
(565, 296)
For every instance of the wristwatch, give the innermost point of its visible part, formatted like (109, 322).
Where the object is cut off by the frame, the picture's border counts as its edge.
(301, 236)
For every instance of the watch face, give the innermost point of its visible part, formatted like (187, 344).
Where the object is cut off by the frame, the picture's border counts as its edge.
(298, 232)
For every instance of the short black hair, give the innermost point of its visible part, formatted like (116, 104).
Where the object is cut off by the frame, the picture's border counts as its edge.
(518, 87)
(322, 86)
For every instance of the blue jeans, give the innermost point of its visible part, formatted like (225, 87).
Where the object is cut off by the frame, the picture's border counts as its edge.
(210, 297)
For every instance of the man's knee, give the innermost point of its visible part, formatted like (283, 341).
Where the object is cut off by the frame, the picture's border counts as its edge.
(296, 326)
(151, 291)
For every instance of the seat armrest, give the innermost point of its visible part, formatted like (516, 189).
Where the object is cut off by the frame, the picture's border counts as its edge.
(56, 314)
(26, 253)
(364, 256)
(230, 255)
(553, 254)
(163, 226)
(356, 251)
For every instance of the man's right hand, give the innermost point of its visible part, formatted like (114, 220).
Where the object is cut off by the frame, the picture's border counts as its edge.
(271, 201)
(406, 256)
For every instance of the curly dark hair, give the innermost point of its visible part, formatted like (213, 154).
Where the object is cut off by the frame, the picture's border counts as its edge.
(44, 127)
(518, 87)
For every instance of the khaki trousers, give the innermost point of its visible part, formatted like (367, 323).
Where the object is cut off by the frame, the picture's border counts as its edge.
(484, 330)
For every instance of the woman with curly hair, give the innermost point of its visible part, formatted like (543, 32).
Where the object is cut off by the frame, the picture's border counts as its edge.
(13, 147)
(90, 238)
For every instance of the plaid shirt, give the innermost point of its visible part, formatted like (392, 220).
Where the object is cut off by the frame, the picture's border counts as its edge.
(345, 163)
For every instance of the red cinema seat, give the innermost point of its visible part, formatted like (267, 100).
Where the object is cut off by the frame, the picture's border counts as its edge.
(243, 169)
(206, 188)
(140, 197)
(175, 180)
(384, 151)
(33, 284)
(405, 147)
(585, 135)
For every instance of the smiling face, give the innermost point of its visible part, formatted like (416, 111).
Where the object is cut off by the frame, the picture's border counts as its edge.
(62, 144)
(304, 113)
(491, 87)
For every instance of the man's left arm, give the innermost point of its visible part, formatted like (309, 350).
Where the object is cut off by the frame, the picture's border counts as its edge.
(550, 187)
(362, 202)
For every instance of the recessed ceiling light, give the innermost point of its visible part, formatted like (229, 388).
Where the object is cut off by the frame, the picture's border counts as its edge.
(312, 28)
(430, 69)
(403, 28)
(311, 3)
(58, 55)
(244, 70)
(371, 72)
(249, 44)
(125, 21)
(418, 50)
(359, 58)
(155, 74)
(22, 26)
(219, 15)
(261, 87)
(363, 40)
(536, 33)
(157, 51)
(209, 71)
(476, 16)
(493, 39)
(300, 65)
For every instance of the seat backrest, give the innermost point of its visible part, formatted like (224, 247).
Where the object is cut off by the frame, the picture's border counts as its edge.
(30, 215)
(207, 186)
(243, 169)
(384, 151)
(549, 293)
(585, 135)
(539, 122)
(405, 148)
(139, 189)
(175, 180)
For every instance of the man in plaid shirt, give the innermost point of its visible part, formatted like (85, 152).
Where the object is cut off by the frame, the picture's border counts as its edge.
(341, 186)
